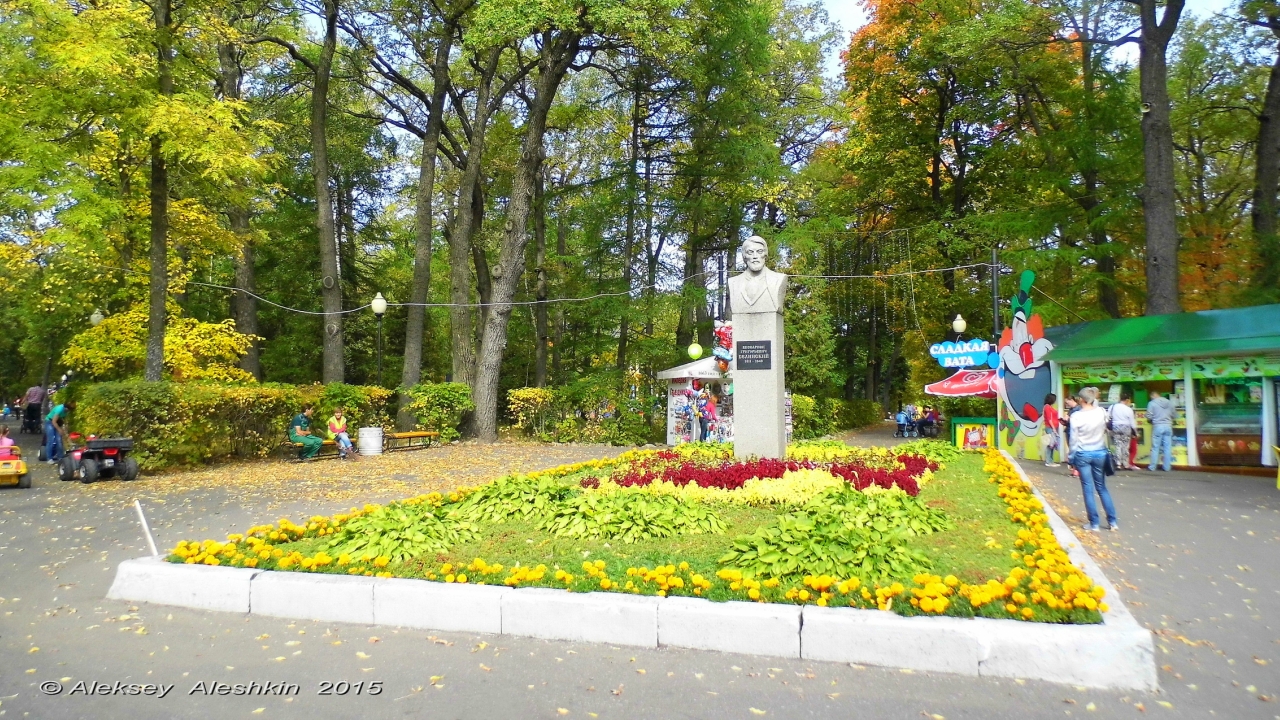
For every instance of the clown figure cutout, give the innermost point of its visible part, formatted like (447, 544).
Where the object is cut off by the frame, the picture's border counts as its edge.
(1024, 377)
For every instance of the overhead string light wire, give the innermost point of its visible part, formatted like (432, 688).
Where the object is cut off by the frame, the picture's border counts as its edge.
(549, 301)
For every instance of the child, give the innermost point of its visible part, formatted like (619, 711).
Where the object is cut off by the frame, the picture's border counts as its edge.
(1050, 428)
(338, 432)
(901, 419)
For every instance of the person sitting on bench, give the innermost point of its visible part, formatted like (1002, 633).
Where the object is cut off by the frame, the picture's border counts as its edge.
(338, 433)
(300, 432)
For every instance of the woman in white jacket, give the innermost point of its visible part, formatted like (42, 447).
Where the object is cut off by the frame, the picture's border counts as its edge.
(1089, 456)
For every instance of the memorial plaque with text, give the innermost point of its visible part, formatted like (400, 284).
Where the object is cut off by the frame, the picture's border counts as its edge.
(754, 355)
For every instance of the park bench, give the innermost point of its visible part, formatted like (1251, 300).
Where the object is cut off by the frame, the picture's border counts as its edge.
(408, 440)
(328, 449)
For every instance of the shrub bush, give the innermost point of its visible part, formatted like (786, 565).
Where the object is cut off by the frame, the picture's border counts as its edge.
(586, 412)
(440, 407)
(806, 420)
(814, 418)
(189, 423)
(853, 414)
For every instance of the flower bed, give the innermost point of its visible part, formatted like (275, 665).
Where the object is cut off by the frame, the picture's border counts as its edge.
(831, 526)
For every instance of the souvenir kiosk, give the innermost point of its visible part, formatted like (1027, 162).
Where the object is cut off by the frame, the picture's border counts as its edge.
(683, 384)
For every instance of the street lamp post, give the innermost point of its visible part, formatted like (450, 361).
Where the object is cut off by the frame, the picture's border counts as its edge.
(958, 326)
(96, 318)
(379, 307)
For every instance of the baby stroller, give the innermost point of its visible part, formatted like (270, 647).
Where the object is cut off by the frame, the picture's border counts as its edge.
(906, 426)
(31, 419)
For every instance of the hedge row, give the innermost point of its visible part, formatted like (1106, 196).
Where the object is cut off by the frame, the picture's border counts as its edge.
(190, 423)
(587, 413)
(814, 418)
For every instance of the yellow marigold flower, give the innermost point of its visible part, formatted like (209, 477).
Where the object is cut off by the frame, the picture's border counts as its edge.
(460, 578)
(1011, 608)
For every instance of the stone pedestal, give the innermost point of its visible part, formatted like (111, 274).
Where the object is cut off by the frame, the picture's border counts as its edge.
(759, 384)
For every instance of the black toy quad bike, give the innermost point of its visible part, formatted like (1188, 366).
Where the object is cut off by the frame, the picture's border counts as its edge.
(100, 458)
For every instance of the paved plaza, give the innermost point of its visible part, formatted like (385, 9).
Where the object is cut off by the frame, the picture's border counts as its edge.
(1197, 562)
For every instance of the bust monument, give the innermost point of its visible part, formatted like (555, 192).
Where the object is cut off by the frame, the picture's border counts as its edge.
(756, 298)
(759, 289)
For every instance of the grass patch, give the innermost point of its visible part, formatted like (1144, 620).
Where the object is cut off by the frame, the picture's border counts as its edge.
(978, 547)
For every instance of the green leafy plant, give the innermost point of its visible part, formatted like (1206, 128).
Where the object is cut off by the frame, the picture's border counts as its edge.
(513, 496)
(843, 533)
(630, 517)
(938, 451)
(404, 530)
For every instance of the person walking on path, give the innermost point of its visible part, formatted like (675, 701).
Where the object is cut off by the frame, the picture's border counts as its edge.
(300, 432)
(1122, 423)
(1160, 415)
(1050, 424)
(55, 432)
(1089, 455)
(32, 402)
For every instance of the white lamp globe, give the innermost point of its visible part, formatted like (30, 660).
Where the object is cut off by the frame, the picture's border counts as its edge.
(379, 305)
(959, 325)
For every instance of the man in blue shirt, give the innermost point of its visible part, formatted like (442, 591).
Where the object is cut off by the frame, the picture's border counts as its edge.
(55, 432)
(1160, 415)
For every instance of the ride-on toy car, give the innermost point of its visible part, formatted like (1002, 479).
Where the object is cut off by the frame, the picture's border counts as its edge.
(13, 471)
(100, 458)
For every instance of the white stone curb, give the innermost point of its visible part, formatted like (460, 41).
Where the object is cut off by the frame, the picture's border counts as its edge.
(740, 627)
(587, 617)
(438, 606)
(1119, 653)
(313, 596)
(151, 579)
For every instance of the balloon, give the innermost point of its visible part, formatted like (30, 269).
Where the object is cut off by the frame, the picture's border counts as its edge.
(729, 390)
(722, 366)
(695, 351)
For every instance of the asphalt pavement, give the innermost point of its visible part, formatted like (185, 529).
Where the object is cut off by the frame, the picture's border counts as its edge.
(1186, 545)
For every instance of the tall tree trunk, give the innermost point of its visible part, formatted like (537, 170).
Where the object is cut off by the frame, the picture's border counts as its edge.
(1158, 200)
(333, 367)
(651, 253)
(416, 316)
(460, 259)
(886, 396)
(558, 51)
(688, 323)
(629, 243)
(1267, 182)
(562, 251)
(869, 385)
(244, 306)
(540, 289)
(159, 285)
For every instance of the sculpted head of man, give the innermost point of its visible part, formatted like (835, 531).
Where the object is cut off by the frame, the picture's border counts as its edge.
(754, 251)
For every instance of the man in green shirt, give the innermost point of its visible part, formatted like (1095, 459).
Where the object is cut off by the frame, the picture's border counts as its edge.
(55, 432)
(300, 432)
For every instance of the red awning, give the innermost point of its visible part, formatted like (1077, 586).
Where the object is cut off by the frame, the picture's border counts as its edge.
(966, 383)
